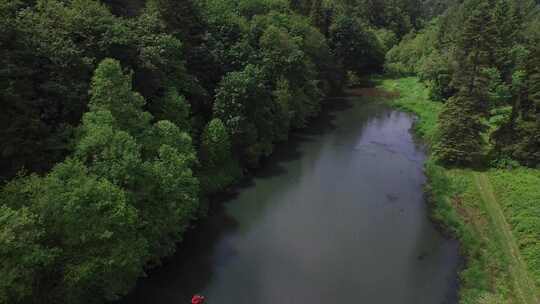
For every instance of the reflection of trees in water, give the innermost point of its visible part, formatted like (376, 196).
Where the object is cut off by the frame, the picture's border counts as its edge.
(211, 246)
(191, 268)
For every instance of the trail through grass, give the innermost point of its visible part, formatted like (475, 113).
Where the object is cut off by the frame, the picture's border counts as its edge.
(523, 284)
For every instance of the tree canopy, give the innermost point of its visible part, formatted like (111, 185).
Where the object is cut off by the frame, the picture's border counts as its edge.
(486, 73)
(120, 118)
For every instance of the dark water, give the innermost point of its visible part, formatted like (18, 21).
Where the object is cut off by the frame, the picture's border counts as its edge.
(336, 216)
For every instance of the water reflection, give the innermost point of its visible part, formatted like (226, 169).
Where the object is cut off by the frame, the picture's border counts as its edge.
(336, 215)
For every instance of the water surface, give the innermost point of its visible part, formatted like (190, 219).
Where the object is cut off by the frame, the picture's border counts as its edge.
(337, 215)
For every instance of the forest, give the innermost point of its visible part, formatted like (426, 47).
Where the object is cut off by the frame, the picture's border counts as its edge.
(120, 119)
(482, 59)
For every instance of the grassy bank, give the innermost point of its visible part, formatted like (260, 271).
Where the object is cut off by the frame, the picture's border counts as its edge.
(494, 214)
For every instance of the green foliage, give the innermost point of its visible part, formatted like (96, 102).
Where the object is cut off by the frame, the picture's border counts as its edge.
(122, 201)
(498, 92)
(23, 254)
(398, 16)
(153, 161)
(286, 101)
(91, 213)
(280, 67)
(182, 18)
(174, 108)
(246, 108)
(533, 83)
(168, 199)
(518, 137)
(100, 98)
(459, 140)
(440, 189)
(216, 144)
(317, 15)
(358, 48)
(293, 51)
(47, 49)
(220, 169)
(485, 63)
(456, 205)
(281, 52)
(519, 194)
(414, 97)
(50, 50)
(424, 54)
(250, 8)
(107, 151)
(112, 90)
(437, 73)
(474, 48)
(74, 209)
(387, 39)
(500, 116)
(407, 56)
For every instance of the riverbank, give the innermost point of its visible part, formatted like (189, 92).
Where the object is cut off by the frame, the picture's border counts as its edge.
(495, 214)
(336, 214)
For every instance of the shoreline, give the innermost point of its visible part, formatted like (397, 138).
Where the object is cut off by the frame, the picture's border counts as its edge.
(458, 206)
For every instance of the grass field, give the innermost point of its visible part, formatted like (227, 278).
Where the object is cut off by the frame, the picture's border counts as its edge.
(518, 193)
(495, 214)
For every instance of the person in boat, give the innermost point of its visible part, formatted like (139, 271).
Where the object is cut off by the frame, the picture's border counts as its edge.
(197, 299)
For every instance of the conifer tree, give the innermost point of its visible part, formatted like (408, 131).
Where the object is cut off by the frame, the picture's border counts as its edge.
(533, 82)
(459, 140)
(507, 29)
(474, 54)
(528, 150)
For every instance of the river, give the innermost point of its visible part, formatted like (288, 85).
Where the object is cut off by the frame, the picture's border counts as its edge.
(336, 215)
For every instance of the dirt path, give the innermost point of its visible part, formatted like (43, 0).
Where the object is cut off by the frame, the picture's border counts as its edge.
(523, 284)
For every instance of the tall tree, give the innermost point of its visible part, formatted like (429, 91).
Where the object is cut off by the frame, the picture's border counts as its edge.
(459, 140)
(113, 91)
(474, 54)
(219, 167)
(152, 161)
(358, 48)
(245, 106)
(533, 83)
(508, 29)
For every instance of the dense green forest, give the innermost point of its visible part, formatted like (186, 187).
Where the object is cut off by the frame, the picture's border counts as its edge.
(119, 119)
(482, 59)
